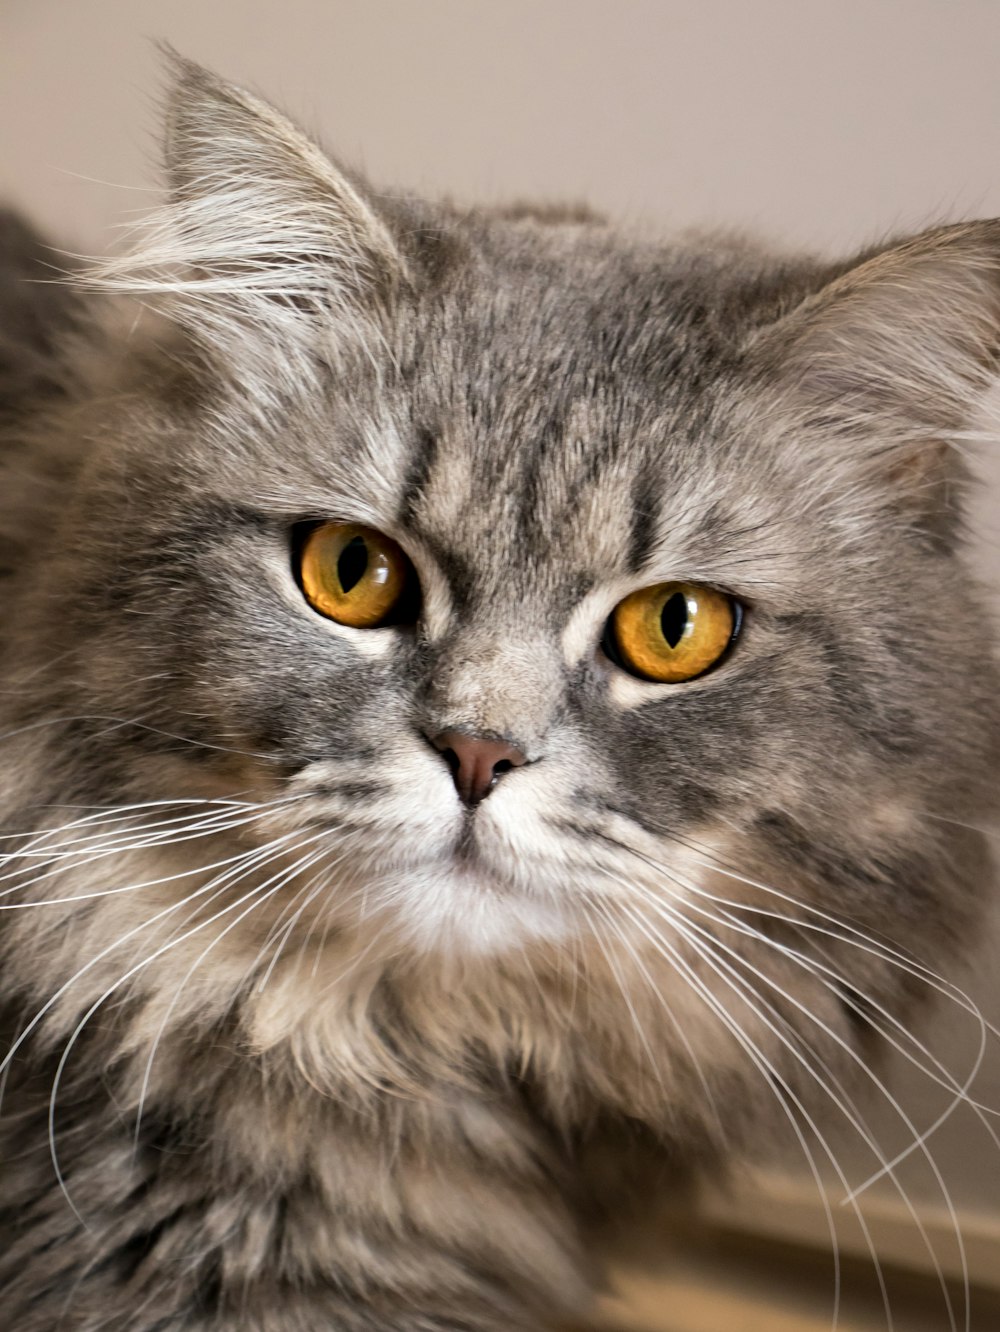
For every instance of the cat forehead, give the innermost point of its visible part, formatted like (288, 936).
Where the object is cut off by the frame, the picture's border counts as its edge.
(559, 315)
(560, 495)
(561, 388)
(572, 377)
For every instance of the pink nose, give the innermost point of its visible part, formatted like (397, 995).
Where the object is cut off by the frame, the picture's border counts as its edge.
(476, 763)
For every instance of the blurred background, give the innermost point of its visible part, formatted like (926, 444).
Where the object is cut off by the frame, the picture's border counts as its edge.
(821, 124)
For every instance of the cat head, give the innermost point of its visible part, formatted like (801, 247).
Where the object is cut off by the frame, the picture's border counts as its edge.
(534, 582)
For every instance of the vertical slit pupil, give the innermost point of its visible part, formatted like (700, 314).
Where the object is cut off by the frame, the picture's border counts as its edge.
(352, 563)
(674, 618)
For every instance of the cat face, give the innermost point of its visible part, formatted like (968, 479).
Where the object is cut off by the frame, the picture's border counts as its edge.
(545, 422)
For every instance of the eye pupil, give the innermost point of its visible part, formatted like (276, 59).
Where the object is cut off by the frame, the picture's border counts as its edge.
(674, 618)
(352, 563)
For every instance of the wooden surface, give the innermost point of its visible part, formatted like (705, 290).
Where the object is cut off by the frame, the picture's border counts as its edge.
(721, 1282)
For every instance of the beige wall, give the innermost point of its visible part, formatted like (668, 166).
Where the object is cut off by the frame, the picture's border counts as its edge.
(824, 124)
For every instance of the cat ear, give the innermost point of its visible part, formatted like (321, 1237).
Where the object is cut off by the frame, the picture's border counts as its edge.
(262, 230)
(896, 357)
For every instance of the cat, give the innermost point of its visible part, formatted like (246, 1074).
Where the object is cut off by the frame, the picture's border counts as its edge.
(495, 721)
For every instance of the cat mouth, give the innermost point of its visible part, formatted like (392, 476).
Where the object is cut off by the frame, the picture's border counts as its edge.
(471, 860)
(467, 851)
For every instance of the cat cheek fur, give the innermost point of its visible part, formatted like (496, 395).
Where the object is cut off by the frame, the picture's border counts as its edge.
(314, 1044)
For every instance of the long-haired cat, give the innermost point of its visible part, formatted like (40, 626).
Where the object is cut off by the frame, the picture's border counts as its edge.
(493, 718)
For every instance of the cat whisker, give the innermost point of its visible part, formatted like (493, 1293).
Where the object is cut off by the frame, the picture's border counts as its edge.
(786, 1098)
(92, 1010)
(232, 865)
(280, 932)
(94, 832)
(129, 815)
(78, 1030)
(362, 853)
(857, 939)
(112, 724)
(791, 1041)
(322, 882)
(835, 985)
(367, 860)
(959, 1091)
(623, 988)
(986, 829)
(256, 897)
(696, 1063)
(724, 916)
(90, 856)
(710, 951)
(115, 813)
(88, 851)
(842, 930)
(886, 950)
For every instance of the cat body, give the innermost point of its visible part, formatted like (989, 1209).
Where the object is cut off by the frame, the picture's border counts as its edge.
(312, 1023)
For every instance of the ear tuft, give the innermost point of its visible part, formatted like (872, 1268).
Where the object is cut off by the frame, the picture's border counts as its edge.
(262, 231)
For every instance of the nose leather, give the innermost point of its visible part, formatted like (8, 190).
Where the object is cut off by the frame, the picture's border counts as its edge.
(476, 762)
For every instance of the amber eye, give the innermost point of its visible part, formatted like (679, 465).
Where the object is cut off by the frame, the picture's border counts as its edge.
(353, 574)
(673, 631)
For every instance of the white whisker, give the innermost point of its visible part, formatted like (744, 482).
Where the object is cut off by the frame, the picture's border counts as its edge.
(256, 896)
(786, 1098)
(234, 862)
(827, 1081)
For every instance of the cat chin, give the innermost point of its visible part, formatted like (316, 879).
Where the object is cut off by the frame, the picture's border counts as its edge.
(465, 909)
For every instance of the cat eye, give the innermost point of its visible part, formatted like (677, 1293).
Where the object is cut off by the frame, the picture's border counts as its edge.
(355, 575)
(672, 631)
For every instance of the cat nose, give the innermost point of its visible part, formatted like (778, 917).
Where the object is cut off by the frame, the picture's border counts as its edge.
(476, 762)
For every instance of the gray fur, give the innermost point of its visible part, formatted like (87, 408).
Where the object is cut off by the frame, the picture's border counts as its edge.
(395, 1069)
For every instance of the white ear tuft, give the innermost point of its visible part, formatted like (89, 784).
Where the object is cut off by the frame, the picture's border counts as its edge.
(262, 232)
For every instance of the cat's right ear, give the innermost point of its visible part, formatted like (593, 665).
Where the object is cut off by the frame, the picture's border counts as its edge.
(263, 234)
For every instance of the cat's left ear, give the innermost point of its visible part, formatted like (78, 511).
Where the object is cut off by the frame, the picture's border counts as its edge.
(262, 230)
(895, 358)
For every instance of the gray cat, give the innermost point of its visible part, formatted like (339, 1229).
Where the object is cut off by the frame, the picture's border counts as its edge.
(493, 720)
